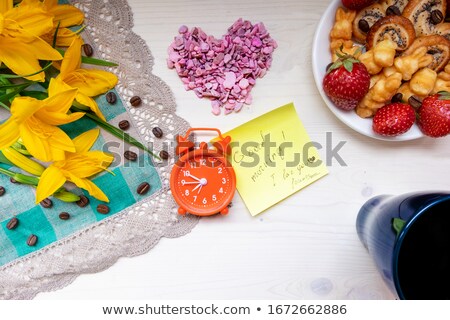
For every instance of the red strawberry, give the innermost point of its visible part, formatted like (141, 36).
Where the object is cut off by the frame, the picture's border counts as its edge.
(434, 115)
(346, 82)
(393, 119)
(357, 4)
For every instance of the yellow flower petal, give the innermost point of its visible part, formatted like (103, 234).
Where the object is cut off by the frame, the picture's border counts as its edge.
(86, 140)
(59, 101)
(23, 108)
(91, 104)
(31, 18)
(23, 162)
(87, 164)
(67, 15)
(51, 180)
(64, 38)
(5, 5)
(91, 82)
(45, 142)
(72, 58)
(9, 133)
(22, 52)
(56, 86)
(89, 186)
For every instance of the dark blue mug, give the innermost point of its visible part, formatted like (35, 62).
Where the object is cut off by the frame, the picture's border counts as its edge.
(408, 237)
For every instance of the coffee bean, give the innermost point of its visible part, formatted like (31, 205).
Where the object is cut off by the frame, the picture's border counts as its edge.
(111, 97)
(88, 50)
(328, 66)
(2, 191)
(363, 25)
(13, 181)
(398, 97)
(83, 202)
(143, 188)
(163, 154)
(103, 209)
(393, 11)
(12, 223)
(135, 101)
(47, 203)
(32, 240)
(436, 16)
(157, 132)
(130, 155)
(124, 124)
(415, 101)
(64, 216)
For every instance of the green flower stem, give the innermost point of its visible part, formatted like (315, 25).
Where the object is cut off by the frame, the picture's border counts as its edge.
(115, 131)
(61, 193)
(93, 61)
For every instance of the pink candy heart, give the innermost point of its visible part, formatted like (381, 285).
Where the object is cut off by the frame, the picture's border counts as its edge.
(222, 70)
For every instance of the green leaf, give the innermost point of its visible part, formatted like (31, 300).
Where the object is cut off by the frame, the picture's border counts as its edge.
(115, 131)
(34, 94)
(4, 160)
(15, 76)
(398, 225)
(93, 61)
(348, 65)
(5, 97)
(12, 85)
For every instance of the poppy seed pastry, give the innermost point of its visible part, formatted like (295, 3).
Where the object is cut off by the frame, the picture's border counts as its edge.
(368, 16)
(425, 15)
(397, 28)
(437, 46)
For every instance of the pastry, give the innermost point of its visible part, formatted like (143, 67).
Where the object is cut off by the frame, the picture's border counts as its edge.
(365, 19)
(425, 14)
(422, 82)
(380, 56)
(437, 46)
(408, 64)
(368, 16)
(341, 33)
(443, 80)
(382, 92)
(443, 29)
(399, 29)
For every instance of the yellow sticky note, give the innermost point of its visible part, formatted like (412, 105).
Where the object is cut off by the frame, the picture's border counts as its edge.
(273, 157)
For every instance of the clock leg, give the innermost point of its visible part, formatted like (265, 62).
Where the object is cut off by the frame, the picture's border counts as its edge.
(224, 211)
(181, 211)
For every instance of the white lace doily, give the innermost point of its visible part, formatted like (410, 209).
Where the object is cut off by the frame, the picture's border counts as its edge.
(137, 229)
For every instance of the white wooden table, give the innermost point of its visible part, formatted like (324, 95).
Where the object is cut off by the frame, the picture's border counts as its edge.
(305, 247)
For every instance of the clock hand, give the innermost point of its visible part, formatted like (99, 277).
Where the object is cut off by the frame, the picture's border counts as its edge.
(198, 186)
(200, 189)
(192, 182)
(193, 177)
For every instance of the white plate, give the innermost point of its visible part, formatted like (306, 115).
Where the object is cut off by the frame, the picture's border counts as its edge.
(321, 57)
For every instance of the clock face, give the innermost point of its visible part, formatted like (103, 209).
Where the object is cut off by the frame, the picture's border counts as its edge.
(203, 184)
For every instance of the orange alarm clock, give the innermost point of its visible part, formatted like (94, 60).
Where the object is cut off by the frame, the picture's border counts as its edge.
(203, 181)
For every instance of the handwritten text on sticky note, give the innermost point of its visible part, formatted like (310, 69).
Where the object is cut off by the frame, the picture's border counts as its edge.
(273, 158)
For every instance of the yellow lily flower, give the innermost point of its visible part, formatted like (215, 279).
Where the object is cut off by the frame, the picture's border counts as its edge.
(21, 47)
(90, 82)
(36, 121)
(63, 14)
(76, 168)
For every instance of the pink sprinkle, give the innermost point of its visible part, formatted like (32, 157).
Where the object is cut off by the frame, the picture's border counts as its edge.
(243, 83)
(183, 29)
(222, 70)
